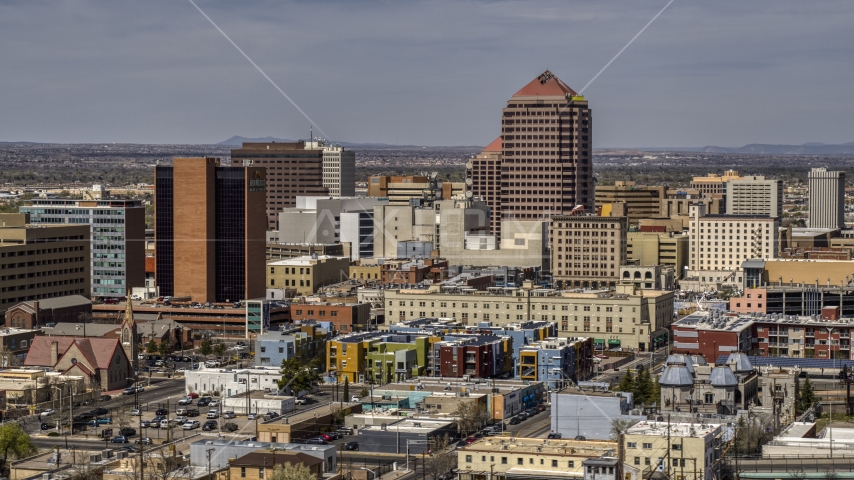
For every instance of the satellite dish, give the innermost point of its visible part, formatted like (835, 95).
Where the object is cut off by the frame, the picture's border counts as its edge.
(468, 194)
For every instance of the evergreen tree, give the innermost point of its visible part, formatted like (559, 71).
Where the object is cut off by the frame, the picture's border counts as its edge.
(346, 389)
(806, 398)
(643, 387)
(627, 383)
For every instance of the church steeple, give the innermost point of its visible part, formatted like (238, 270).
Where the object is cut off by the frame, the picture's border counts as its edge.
(129, 337)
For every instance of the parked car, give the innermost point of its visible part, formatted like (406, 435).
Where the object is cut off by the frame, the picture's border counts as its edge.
(300, 401)
(135, 412)
(120, 439)
(127, 431)
(104, 398)
(355, 399)
(210, 425)
(193, 412)
(462, 443)
(99, 411)
(581, 437)
(193, 424)
(164, 423)
(228, 414)
(181, 411)
(161, 411)
(129, 391)
(185, 400)
(326, 437)
(541, 407)
(204, 401)
(269, 415)
(212, 414)
(515, 421)
(352, 446)
(47, 412)
(46, 426)
(144, 441)
(346, 430)
(316, 441)
(230, 427)
(252, 416)
(181, 419)
(554, 435)
(105, 421)
(145, 424)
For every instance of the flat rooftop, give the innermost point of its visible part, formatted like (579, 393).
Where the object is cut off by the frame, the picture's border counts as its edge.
(308, 415)
(572, 448)
(662, 429)
(305, 260)
(414, 425)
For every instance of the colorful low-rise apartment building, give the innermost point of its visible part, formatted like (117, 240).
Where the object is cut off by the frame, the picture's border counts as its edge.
(556, 361)
(380, 356)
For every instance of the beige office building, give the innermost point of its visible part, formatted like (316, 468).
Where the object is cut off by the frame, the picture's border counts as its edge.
(41, 261)
(630, 200)
(724, 242)
(754, 195)
(587, 251)
(307, 275)
(827, 198)
(714, 184)
(679, 450)
(658, 248)
(627, 317)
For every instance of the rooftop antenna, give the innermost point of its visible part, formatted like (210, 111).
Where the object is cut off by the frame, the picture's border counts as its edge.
(311, 133)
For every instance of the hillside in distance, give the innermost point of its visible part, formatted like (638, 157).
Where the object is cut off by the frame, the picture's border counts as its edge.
(768, 149)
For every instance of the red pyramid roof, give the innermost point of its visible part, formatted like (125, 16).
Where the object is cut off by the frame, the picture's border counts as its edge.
(545, 85)
(495, 146)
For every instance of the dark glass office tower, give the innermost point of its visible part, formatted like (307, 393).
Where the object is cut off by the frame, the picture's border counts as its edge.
(164, 247)
(211, 224)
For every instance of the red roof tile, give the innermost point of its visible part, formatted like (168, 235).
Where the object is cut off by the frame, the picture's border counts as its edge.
(495, 146)
(545, 85)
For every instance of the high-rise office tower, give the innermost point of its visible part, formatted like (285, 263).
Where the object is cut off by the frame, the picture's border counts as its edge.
(544, 166)
(117, 230)
(547, 150)
(827, 198)
(754, 195)
(483, 178)
(293, 168)
(209, 230)
(339, 169)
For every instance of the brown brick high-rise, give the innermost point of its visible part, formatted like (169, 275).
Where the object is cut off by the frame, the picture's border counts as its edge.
(210, 230)
(547, 144)
(291, 170)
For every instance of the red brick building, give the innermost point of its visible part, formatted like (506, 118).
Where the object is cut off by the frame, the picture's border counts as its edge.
(345, 317)
(716, 334)
(34, 313)
(479, 356)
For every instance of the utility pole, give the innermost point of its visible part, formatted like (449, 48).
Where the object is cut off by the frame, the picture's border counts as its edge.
(208, 454)
(141, 443)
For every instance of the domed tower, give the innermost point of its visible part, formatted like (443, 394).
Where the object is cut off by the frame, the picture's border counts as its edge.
(129, 336)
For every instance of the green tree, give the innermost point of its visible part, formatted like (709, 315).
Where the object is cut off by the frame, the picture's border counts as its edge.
(165, 348)
(219, 349)
(205, 348)
(297, 377)
(14, 444)
(347, 389)
(806, 397)
(292, 471)
(151, 347)
(643, 387)
(627, 383)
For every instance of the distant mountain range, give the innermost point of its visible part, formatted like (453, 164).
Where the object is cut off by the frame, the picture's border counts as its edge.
(812, 148)
(237, 140)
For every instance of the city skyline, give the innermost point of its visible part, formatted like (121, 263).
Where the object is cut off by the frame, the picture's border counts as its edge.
(423, 73)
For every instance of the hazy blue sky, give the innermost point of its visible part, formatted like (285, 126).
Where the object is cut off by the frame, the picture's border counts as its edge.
(423, 72)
